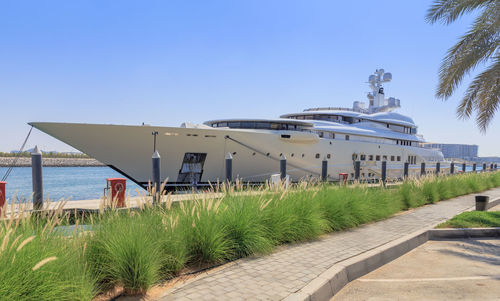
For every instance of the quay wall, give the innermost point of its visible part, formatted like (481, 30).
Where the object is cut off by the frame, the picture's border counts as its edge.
(51, 162)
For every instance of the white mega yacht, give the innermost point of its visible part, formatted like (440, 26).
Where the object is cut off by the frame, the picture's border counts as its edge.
(194, 154)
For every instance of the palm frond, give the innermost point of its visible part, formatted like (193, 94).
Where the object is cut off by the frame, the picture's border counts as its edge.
(483, 96)
(447, 11)
(475, 47)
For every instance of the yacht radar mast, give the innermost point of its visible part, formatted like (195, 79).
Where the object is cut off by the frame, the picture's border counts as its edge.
(377, 100)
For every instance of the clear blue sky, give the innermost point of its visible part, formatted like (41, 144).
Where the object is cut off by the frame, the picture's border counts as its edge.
(166, 62)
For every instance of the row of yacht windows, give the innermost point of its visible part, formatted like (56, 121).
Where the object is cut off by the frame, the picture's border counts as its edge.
(259, 125)
(356, 157)
(362, 157)
(330, 135)
(350, 120)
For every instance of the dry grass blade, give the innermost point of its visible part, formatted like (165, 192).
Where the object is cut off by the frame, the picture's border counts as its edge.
(43, 262)
(25, 242)
(5, 240)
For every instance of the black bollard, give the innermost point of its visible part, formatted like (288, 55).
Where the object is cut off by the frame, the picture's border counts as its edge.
(229, 168)
(36, 173)
(156, 160)
(452, 168)
(491, 166)
(405, 171)
(357, 170)
(438, 168)
(474, 167)
(422, 169)
(324, 170)
(282, 167)
(484, 167)
(384, 172)
(464, 167)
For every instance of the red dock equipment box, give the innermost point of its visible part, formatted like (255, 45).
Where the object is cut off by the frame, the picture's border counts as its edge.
(343, 178)
(117, 187)
(2, 195)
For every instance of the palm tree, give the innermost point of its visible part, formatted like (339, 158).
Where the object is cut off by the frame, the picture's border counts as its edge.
(479, 46)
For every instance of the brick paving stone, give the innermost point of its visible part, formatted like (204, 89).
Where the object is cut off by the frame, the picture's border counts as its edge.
(290, 268)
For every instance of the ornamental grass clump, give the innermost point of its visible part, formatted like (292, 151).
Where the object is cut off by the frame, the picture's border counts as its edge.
(244, 221)
(125, 249)
(206, 236)
(38, 263)
(293, 216)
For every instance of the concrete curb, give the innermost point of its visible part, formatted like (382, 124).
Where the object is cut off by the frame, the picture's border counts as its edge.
(439, 234)
(329, 283)
(492, 203)
(335, 278)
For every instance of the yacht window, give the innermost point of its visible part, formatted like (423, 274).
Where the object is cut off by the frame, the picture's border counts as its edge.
(370, 157)
(328, 156)
(384, 158)
(248, 125)
(346, 137)
(363, 157)
(332, 135)
(299, 117)
(317, 156)
(275, 126)
(320, 134)
(222, 124)
(399, 158)
(354, 156)
(392, 158)
(262, 125)
(233, 124)
(377, 158)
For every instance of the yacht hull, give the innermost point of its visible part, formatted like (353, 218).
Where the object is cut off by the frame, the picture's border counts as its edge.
(197, 155)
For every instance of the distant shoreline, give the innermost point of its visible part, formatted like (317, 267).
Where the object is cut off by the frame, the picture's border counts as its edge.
(52, 162)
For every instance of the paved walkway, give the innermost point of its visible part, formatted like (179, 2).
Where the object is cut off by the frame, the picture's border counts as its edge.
(286, 271)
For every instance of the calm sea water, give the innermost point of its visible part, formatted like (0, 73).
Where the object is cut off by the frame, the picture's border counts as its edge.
(76, 183)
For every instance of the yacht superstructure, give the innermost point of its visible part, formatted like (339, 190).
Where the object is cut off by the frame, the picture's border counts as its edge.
(194, 154)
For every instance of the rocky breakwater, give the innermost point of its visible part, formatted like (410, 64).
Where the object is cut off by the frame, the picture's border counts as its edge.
(51, 162)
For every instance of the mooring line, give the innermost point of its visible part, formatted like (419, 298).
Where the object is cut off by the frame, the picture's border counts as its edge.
(7, 173)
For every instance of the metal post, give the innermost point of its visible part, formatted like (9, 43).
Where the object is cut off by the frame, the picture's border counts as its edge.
(464, 167)
(324, 170)
(156, 160)
(405, 172)
(229, 168)
(422, 169)
(384, 171)
(484, 167)
(154, 133)
(282, 167)
(452, 168)
(491, 166)
(474, 167)
(438, 168)
(357, 170)
(36, 172)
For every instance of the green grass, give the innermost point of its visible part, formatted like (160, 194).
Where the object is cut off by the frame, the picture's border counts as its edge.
(473, 219)
(38, 264)
(137, 249)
